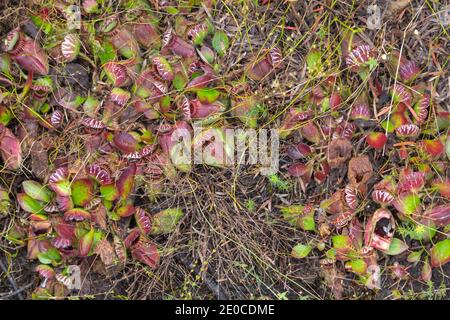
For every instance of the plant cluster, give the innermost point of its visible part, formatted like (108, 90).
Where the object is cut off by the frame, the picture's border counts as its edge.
(345, 125)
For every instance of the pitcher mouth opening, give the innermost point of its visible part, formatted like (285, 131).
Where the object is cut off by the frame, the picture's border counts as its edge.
(382, 230)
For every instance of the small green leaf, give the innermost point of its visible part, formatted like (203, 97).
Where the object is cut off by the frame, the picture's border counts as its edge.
(172, 10)
(37, 191)
(106, 53)
(414, 256)
(307, 223)
(341, 242)
(41, 294)
(165, 103)
(397, 246)
(358, 266)
(388, 126)
(44, 108)
(331, 253)
(82, 191)
(125, 211)
(372, 63)
(108, 204)
(314, 62)
(325, 105)
(440, 253)
(179, 81)
(410, 203)
(51, 256)
(208, 95)
(113, 216)
(125, 183)
(16, 236)
(79, 100)
(45, 26)
(5, 115)
(301, 251)
(86, 243)
(98, 235)
(291, 213)
(42, 256)
(343, 246)
(299, 216)
(62, 188)
(206, 54)
(29, 204)
(166, 220)
(90, 105)
(220, 42)
(322, 32)
(321, 246)
(109, 192)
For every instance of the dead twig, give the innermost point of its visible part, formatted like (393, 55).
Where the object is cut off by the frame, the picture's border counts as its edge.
(17, 291)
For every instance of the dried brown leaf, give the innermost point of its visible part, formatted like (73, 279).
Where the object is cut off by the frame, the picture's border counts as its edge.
(339, 151)
(39, 160)
(106, 252)
(98, 216)
(396, 5)
(359, 173)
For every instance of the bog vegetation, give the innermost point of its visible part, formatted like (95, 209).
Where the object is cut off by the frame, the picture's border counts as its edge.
(91, 95)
